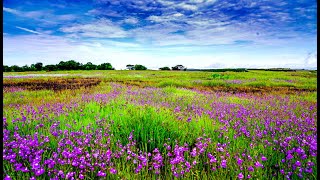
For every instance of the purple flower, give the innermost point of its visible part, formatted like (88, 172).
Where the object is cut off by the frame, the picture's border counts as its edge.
(263, 158)
(289, 156)
(39, 172)
(250, 168)
(81, 176)
(240, 176)
(101, 174)
(308, 170)
(224, 163)
(239, 161)
(258, 164)
(7, 178)
(32, 178)
(298, 163)
(113, 171)
(194, 162)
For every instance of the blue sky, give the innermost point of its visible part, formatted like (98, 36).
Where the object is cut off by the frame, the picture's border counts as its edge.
(157, 33)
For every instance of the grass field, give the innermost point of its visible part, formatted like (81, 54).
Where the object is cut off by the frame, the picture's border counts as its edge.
(160, 125)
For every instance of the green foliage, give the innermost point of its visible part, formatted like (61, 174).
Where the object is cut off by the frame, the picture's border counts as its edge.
(140, 67)
(179, 68)
(50, 67)
(68, 65)
(38, 66)
(105, 66)
(16, 68)
(6, 68)
(220, 76)
(89, 66)
(164, 68)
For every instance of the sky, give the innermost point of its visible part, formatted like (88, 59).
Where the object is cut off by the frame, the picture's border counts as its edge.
(158, 33)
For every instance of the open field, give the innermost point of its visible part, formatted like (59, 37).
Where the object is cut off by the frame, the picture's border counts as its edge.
(160, 125)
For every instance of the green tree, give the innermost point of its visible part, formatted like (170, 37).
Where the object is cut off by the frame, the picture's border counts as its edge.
(38, 66)
(140, 67)
(51, 67)
(89, 66)
(33, 67)
(105, 66)
(130, 67)
(16, 68)
(25, 68)
(164, 68)
(6, 68)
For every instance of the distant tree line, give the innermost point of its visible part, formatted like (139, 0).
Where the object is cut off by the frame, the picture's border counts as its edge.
(136, 67)
(68, 65)
(174, 68)
(221, 70)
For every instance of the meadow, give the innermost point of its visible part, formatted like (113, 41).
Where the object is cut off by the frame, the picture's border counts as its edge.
(160, 125)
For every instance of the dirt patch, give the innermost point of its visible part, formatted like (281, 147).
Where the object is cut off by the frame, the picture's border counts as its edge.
(55, 84)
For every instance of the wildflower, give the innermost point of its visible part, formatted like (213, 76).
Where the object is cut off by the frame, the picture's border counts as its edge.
(101, 174)
(298, 163)
(39, 172)
(258, 164)
(224, 163)
(7, 178)
(263, 158)
(250, 168)
(240, 176)
(113, 171)
(289, 156)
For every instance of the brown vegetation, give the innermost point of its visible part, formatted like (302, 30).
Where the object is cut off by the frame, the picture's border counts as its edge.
(55, 84)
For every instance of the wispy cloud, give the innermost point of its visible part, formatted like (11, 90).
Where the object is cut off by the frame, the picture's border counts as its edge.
(103, 28)
(28, 30)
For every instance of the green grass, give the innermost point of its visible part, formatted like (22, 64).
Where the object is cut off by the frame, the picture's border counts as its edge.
(301, 79)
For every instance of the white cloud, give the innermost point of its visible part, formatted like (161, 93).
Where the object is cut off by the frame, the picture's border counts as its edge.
(131, 20)
(28, 30)
(187, 6)
(13, 11)
(102, 28)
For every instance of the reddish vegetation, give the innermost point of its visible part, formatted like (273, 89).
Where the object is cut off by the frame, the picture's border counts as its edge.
(54, 83)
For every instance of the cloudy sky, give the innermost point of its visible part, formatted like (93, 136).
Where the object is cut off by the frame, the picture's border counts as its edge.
(156, 33)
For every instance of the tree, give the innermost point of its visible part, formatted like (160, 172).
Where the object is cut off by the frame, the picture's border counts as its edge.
(6, 68)
(130, 67)
(89, 66)
(179, 68)
(140, 67)
(105, 66)
(69, 65)
(51, 67)
(33, 67)
(16, 68)
(25, 68)
(38, 66)
(164, 68)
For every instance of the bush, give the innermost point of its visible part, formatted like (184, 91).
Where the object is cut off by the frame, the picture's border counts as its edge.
(165, 68)
(140, 67)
